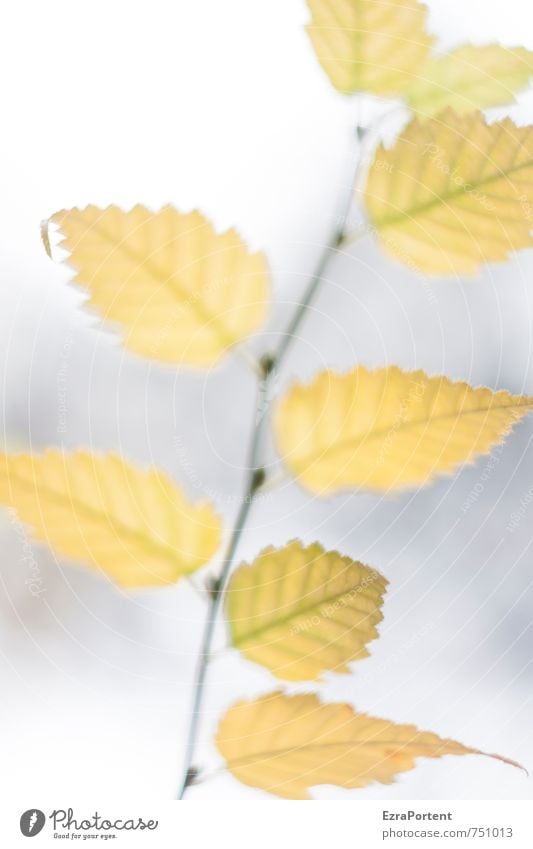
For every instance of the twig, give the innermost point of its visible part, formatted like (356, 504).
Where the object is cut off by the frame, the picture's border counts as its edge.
(256, 477)
(332, 247)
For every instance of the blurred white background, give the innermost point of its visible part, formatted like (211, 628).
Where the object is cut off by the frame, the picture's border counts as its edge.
(222, 106)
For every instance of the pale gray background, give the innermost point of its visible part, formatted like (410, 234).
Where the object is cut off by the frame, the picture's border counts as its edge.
(223, 106)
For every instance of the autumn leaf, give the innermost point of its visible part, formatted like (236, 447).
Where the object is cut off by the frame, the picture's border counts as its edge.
(177, 291)
(287, 744)
(300, 611)
(136, 526)
(376, 46)
(453, 192)
(387, 428)
(469, 78)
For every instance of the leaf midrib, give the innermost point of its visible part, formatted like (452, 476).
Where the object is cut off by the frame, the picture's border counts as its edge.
(251, 635)
(415, 211)
(370, 435)
(143, 540)
(274, 753)
(204, 317)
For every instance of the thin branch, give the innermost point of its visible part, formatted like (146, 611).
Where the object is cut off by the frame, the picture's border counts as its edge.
(256, 476)
(255, 479)
(332, 248)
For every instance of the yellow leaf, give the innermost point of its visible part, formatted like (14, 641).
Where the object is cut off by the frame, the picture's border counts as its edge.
(286, 744)
(376, 46)
(178, 291)
(453, 192)
(301, 611)
(471, 78)
(136, 526)
(387, 428)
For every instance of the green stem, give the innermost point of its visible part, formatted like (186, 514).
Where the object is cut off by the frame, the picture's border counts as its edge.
(256, 477)
(334, 243)
(269, 364)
